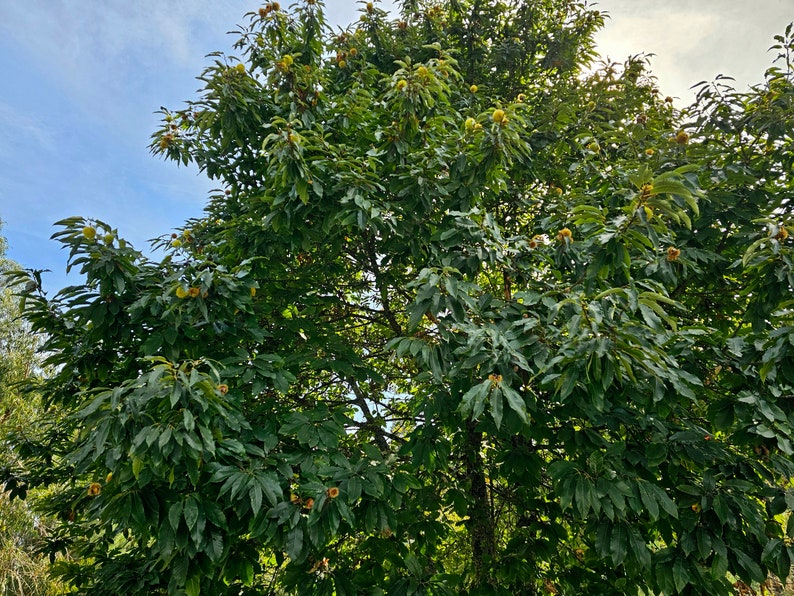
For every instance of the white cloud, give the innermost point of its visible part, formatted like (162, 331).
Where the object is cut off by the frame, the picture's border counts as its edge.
(694, 41)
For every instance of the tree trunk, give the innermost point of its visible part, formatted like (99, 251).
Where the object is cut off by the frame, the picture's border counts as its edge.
(480, 522)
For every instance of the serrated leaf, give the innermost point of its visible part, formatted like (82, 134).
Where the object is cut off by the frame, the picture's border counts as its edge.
(294, 543)
(648, 501)
(516, 403)
(618, 544)
(496, 407)
(255, 496)
(175, 515)
(640, 550)
(703, 540)
(190, 513)
(664, 500)
(680, 574)
(271, 488)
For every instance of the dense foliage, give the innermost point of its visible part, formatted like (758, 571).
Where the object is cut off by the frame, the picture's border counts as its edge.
(469, 313)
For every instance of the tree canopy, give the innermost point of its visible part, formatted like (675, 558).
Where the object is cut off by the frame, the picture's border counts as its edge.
(470, 312)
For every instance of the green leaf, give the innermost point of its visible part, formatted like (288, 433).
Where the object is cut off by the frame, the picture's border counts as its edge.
(703, 543)
(496, 407)
(618, 544)
(93, 406)
(190, 512)
(413, 565)
(353, 490)
(516, 403)
(566, 383)
(651, 506)
(175, 515)
(752, 570)
(215, 547)
(664, 500)
(137, 466)
(294, 543)
(193, 586)
(255, 495)
(771, 549)
(271, 488)
(720, 507)
(583, 494)
(655, 453)
(188, 420)
(680, 574)
(473, 402)
(640, 550)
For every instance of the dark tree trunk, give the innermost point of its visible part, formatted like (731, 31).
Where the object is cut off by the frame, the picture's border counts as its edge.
(480, 522)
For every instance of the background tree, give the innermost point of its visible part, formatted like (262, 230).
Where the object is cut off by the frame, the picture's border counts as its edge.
(22, 569)
(464, 316)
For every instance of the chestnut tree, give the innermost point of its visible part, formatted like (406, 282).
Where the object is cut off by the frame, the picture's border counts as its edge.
(471, 312)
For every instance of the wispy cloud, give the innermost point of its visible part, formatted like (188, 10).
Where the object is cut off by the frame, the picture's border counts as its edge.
(17, 127)
(110, 58)
(92, 33)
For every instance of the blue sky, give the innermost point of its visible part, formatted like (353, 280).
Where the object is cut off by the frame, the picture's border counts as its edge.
(82, 80)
